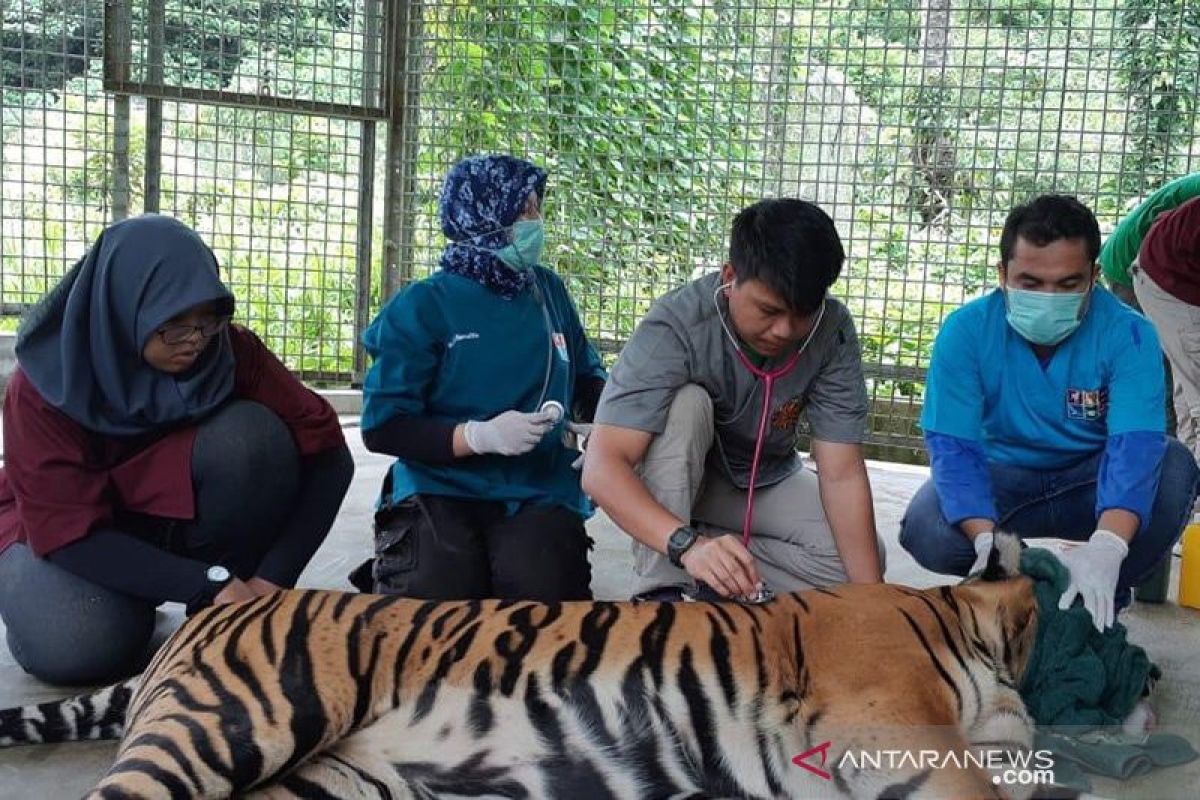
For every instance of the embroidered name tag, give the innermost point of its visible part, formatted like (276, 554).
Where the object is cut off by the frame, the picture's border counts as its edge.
(1087, 404)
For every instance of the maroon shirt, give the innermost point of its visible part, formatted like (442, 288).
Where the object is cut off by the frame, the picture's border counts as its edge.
(61, 480)
(1170, 253)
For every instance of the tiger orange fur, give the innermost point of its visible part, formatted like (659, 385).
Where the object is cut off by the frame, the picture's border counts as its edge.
(322, 694)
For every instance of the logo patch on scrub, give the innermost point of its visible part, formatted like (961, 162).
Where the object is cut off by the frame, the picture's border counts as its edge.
(1090, 405)
(787, 415)
(560, 344)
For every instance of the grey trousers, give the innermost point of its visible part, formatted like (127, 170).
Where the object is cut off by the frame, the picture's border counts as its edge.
(791, 540)
(1178, 327)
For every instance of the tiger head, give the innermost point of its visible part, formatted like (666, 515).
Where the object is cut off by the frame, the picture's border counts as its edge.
(1010, 605)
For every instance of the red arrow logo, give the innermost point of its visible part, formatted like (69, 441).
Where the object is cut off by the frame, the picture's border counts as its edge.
(823, 749)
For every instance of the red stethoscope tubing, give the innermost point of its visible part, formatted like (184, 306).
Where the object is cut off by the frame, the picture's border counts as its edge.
(768, 379)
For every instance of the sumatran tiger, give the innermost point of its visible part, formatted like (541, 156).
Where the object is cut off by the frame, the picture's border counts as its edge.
(322, 694)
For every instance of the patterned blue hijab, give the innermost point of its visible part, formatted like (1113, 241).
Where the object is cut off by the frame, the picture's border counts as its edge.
(81, 346)
(481, 199)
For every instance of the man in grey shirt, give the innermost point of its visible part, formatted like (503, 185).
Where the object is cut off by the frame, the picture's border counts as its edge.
(672, 453)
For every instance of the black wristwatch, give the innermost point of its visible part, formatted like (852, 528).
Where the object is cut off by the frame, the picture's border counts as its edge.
(679, 543)
(216, 578)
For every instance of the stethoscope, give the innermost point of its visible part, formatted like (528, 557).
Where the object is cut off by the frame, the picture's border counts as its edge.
(555, 407)
(768, 377)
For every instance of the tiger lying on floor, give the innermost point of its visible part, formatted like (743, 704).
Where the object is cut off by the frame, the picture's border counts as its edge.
(322, 694)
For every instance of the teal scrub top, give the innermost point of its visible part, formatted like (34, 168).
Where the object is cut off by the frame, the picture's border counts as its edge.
(450, 349)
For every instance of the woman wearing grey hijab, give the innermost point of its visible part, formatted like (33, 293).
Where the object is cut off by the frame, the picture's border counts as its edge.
(154, 452)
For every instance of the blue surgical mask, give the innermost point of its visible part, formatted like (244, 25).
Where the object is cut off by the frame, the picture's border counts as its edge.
(1044, 318)
(528, 238)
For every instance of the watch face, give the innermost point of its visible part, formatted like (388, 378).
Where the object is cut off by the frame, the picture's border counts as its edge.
(682, 537)
(217, 574)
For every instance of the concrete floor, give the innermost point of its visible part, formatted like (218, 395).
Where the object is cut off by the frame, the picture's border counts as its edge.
(1168, 632)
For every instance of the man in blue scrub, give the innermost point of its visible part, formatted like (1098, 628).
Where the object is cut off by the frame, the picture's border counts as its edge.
(1044, 417)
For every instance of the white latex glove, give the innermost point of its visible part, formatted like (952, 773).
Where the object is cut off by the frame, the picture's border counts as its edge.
(582, 431)
(983, 549)
(1094, 568)
(509, 434)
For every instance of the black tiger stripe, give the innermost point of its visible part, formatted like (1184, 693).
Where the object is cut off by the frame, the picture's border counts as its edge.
(416, 628)
(954, 650)
(726, 617)
(516, 643)
(296, 679)
(827, 592)
(752, 614)
(465, 778)
(716, 777)
(560, 668)
(439, 622)
(233, 719)
(173, 784)
(472, 610)
(344, 602)
(639, 752)
(654, 641)
(173, 751)
(760, 665)
(364, 777)
(586, 707)
(810, 724)
(898, 791)
(937, 664)
(451, 656)
(774, 779)
(248, 675)
(363, 675)
(594, 630)
(200, 742)
(718, 646)
(302, 787)
(480, 716)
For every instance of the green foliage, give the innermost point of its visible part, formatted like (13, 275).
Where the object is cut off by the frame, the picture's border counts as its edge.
(1160, 62)
(657, 121)
(45, 43)
(635, 109)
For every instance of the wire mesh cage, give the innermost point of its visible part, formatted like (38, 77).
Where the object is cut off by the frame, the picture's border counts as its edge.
(917, 126)
(54, 161)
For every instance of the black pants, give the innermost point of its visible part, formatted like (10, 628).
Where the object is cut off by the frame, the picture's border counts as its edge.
(446, 548)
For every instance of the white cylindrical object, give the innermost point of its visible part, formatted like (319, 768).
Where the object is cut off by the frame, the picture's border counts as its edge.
(554, 409)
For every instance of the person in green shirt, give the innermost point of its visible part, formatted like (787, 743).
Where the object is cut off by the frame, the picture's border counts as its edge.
(1120, 250)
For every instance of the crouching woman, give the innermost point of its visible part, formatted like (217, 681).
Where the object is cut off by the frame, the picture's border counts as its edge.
(153, 452)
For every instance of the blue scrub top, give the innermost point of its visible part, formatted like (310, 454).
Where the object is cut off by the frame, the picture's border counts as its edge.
(986, 384)
(450, 349)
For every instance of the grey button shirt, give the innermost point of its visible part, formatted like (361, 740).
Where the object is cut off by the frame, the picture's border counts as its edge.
(681, 341)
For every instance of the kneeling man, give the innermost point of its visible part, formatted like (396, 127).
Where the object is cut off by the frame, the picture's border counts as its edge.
(1044, 416)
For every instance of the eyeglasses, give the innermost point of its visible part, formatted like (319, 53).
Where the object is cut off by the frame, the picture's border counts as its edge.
(178, 334)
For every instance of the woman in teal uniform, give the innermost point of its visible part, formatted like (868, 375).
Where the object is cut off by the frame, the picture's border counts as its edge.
(478, 372)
